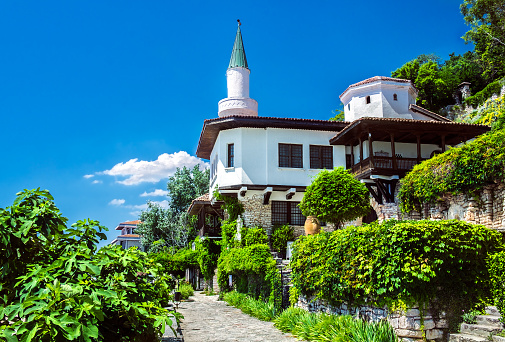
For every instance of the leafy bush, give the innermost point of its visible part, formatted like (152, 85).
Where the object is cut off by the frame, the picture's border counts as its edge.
(254, 271)
(461, 169)
(228, 233)
(281, 236)
(178, 262)
(323, 327)
(496, 265)
(253, 236)
(396, 263)
(207, 255)
(186, 290)
(253, 307)
(335, 196)
(480, 97)
(55, 286)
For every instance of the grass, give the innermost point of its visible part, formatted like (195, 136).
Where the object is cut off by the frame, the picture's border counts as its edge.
(321, 327)
(256, 308)
(318, 327)
(186, 290)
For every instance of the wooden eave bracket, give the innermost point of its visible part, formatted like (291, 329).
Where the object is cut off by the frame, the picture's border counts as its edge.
(266, 195)
(290, 193)
(243, 191)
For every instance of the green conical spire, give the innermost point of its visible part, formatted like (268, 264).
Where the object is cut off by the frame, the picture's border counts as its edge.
(238, 53)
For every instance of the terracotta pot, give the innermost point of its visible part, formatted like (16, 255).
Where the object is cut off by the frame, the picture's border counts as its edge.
(312, 226)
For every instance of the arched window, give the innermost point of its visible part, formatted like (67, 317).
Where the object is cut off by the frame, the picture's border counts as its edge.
(395, 97)
(367, 99)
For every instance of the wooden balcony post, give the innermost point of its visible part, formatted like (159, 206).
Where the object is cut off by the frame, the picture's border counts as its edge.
(443, 144)
(418, 148)
(352, 154)
(360, 153)
(370, 150)
(393, 151)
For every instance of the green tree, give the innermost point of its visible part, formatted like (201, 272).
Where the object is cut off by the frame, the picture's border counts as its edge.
(55, 286)
(335, 197)
(173, 227)
(486, 19)
(186, 185)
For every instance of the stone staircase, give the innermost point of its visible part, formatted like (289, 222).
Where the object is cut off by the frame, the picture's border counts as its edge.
(484, 329)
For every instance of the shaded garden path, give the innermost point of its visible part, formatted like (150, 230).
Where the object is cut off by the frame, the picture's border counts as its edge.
(207, 319)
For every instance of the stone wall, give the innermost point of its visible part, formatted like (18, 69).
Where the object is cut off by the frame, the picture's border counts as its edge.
(409, 325)
(485, 207)
(256, 213)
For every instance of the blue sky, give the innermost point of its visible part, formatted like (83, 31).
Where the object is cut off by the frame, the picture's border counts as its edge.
(100, 101)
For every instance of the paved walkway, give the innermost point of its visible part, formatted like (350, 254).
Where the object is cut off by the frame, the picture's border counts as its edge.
(208, 320)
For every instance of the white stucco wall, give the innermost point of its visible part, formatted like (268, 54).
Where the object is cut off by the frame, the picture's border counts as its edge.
(257, 156)
(382, 103)
(237, 80)
(238, 101)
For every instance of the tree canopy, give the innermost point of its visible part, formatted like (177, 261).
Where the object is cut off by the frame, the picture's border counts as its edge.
(55, 285)
(173, 227)
(486, 19)
(335, 197)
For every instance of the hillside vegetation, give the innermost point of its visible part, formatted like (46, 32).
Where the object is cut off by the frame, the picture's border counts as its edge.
(461, 169)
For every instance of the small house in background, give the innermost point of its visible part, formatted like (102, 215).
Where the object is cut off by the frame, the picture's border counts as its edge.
(127, 237)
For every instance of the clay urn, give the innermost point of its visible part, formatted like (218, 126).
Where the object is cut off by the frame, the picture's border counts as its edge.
(312, 226)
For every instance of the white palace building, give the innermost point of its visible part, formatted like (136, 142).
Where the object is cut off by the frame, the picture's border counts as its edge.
(267, 162)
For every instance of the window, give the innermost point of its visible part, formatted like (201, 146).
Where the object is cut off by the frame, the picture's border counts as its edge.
(395, 97)
(290, 155)
(321, 157)
(287, 213)
(231, 155)
(367, 99)
(349, 106)
(213, 167)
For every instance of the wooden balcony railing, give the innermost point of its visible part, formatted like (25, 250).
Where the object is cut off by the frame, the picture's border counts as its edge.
(384, 163)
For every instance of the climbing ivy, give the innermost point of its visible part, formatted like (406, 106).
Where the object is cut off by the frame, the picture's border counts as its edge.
(396, 263)
(254, 271)
(461, 169)
(231, 205)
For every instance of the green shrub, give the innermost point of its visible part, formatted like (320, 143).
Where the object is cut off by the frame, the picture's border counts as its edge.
(253, 307)
(55, 285)
(177, 262)
(253, 236)
(280, 237)
(396, 263)
(480, 97)
(463, 169)
(496, 265)
(335, 196)
(254, 271)
(186, 290)
(207, 254)
(324, 327)
(228, 233)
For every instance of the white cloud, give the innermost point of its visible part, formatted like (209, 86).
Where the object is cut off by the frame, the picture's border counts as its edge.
(88, 176)
(157, 192)
(140, 171)
(96, 181)
(117, 202)
(143, 207)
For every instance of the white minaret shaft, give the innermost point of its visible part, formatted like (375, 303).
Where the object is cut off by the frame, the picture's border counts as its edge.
(238, 101)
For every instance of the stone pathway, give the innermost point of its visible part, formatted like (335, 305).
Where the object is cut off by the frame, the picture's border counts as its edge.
(207, 319)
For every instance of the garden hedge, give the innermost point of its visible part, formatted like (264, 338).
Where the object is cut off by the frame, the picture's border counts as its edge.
(396, 263)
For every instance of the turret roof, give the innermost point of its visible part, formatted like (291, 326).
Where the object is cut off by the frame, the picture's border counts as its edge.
(238, 58)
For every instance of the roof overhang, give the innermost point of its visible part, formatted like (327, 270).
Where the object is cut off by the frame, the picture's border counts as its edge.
(212, 127)
(407, 130)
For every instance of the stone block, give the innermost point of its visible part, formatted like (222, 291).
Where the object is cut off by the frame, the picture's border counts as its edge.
(434, 334)
(412, 313)
(409, 333)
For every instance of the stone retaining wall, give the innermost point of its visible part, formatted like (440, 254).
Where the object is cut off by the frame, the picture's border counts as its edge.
(486, 207)
(410, 326)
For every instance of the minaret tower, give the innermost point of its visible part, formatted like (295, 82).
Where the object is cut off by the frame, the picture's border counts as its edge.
(238, 101)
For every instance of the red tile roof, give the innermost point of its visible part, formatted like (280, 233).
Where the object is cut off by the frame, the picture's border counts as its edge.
(131, 222)
(376, 79)
(129, 236)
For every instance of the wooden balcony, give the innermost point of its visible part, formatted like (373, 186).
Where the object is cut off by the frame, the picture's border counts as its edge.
(385, 166)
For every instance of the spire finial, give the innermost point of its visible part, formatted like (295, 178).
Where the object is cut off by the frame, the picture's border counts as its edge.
(239, 23)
